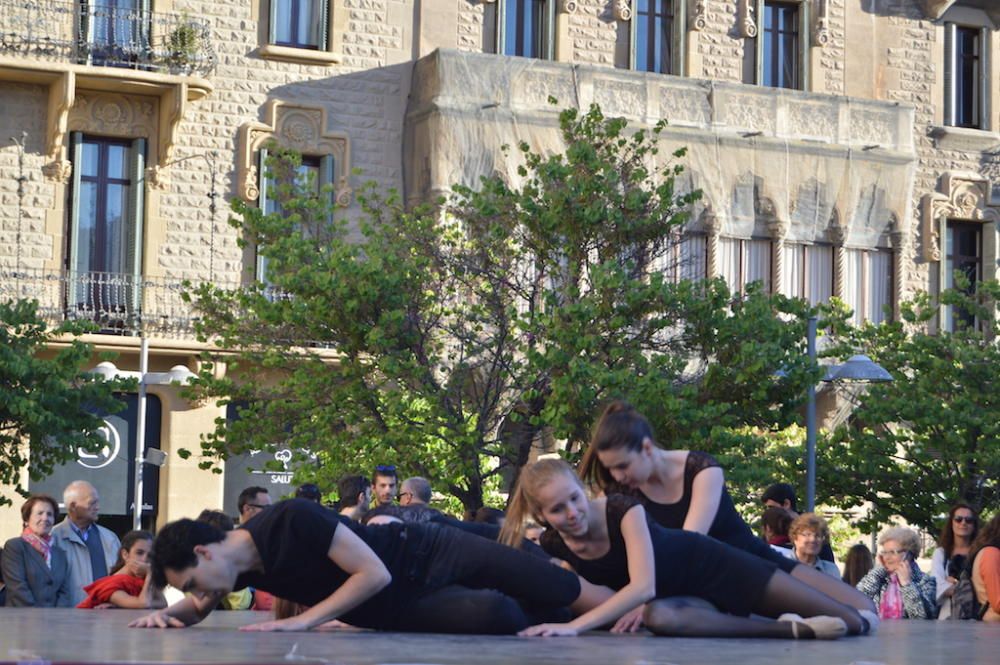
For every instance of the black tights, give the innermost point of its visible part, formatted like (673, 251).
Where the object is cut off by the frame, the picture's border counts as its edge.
(695, 617)
(474, 585)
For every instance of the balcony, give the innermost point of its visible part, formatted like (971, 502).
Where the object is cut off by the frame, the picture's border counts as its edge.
(106, 36)
(119, 304)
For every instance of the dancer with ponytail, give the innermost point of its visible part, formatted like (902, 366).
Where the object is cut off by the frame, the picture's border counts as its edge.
(683, 489)
(707, 587)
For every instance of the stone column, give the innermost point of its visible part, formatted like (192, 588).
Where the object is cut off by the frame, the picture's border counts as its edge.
(898, 239)
(714, 226)
(838, 234)
(778, 229)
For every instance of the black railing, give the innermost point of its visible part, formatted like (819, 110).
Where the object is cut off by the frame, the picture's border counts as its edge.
(106, 36)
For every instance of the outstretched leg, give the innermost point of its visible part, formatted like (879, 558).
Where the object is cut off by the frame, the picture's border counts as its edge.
(784, 593)
(695, 617)
(833, 587)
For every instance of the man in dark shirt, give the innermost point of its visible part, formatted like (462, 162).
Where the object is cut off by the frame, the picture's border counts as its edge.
(406, 577)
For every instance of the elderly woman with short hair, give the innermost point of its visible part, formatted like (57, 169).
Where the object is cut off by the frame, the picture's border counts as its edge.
(898, 587)
(808, 533)
(34, 566)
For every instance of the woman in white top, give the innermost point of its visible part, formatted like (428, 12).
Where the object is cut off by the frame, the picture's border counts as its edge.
(949, 559)
(808, 533)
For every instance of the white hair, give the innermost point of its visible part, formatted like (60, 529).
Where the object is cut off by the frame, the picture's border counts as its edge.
(908, 539)
(75, 490)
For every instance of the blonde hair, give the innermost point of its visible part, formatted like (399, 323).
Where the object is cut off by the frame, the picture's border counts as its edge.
(907, 539)
(809, 522)
(524, 502)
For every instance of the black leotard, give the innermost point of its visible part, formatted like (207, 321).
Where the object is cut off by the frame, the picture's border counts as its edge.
(687, 563)
(728, 526)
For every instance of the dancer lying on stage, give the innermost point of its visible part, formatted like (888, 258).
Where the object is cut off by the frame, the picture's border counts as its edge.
(710, 588)
(683, 489)
(401, 577)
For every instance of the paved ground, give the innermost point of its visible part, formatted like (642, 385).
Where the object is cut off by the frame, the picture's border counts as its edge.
(77, 636)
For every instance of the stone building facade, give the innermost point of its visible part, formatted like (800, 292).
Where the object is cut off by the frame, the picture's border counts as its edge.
(844, 147)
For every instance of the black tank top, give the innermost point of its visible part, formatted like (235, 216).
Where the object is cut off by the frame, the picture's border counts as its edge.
(728, 526)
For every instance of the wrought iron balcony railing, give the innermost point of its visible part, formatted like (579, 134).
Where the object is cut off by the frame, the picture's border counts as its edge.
(119, 304)
(106, 36)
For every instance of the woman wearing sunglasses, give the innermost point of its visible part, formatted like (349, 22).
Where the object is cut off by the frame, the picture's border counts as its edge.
(898, 587)
(951, 557)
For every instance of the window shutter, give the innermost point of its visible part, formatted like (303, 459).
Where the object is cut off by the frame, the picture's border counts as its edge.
(990, 251)
(263, 204)
(550, 30)
(949, 74)
(328, 178)
(985, 72)
(759, 41)
(324, 24)
(678, 37)
(76, 151)
(805, 38)
(272, 25)
(136, 204)
(944, 278)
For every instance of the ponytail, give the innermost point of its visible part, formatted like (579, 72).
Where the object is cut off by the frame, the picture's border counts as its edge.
(512, 531)
(620, 426)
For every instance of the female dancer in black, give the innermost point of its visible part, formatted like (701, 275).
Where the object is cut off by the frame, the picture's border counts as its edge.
(401, 577)
(683, 489)
(609, 542)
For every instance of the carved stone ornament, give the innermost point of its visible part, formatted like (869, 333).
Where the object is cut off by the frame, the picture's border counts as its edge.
(623, 10)
(58, 170)
(747, 25)
(300, 128)
(157, 177)
(821, 35)
(935, 9)
(569, 6)
(962, 196)
(699, 15)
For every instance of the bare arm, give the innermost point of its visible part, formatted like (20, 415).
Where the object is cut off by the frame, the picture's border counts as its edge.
(149, 597)
(368, 576)
(641, 586)
(706, 492)
(190, 610)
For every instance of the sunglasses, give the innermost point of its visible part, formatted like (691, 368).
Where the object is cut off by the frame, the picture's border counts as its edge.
(399, 497)
(963, 518)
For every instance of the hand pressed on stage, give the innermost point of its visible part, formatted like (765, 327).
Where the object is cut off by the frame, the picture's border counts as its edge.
(550, 630)
(289, 625)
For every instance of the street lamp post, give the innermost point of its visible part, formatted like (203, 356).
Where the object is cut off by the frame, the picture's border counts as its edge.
(177, 374)
(858, 368)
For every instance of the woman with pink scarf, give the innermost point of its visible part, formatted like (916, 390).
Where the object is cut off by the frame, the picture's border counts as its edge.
(898, 587)
(36, 570)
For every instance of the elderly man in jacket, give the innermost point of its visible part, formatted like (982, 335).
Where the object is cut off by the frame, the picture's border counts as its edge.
(90, 548)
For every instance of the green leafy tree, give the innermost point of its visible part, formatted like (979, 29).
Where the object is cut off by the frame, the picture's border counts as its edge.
(931, 437)
(47, 401)
(462, 337)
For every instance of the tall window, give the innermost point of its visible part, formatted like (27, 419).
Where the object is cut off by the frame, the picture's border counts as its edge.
(300, 23)
(685, 259)
(966, 76)
(116, 31)
(105, 257)
(742, 262)
(520, 27)
(807, 272)
(777, 56)
(314, 173)
(963, 253)
(652, 35)
(868, 281)
(782, 62)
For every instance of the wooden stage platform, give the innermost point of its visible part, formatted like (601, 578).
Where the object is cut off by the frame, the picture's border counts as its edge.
(79, 636)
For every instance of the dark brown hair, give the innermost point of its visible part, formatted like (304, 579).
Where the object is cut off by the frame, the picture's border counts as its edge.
(857, 564)
(620, 426)
(777, 520)
(29, 505)
(989, 536)
(130, 539)
(947, 539)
